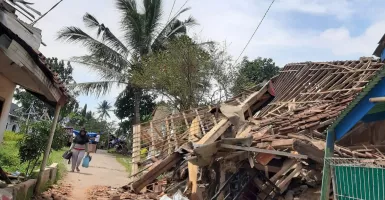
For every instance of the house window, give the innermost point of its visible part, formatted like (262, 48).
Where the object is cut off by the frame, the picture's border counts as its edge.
(14, 127)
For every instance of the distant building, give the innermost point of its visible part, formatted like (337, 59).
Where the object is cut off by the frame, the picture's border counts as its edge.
(13, 119)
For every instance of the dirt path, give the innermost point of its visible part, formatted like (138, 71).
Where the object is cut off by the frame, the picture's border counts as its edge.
(103, 170)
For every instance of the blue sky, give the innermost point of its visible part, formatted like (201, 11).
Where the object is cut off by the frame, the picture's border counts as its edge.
(293, 31)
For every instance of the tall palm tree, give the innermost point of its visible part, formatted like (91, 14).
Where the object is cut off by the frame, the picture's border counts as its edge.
(114, 59)
(103, 108)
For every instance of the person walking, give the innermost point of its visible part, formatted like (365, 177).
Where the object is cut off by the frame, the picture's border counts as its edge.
(78, 148)
(96, 141)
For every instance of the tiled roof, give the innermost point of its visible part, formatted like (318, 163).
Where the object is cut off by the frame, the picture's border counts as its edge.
(39, 59)
(53, 75)
(309, 96)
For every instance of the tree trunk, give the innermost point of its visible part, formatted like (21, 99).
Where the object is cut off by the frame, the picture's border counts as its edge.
(137, 98)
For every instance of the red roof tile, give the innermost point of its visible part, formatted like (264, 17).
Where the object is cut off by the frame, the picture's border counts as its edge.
(318, 91)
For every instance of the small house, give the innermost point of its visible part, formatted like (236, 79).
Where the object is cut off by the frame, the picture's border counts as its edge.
(22, 64)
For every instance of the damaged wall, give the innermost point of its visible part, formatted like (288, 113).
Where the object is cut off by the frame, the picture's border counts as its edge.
(371, 133)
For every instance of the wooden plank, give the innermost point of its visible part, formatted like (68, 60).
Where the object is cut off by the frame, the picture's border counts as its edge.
(326, 173)
(251, 99)
(213, 117)
(158, 133)
(152, 148)
(282, 143)
(286, 166)
(285, 182)
(215, 132)
(245, 133)
(156, 171)
(194, 130)
(251, 161)
(222, 180)
(200, 122)
(273, 169)
(193, 178)
(209, 137)
(185, 119)
(311, 151)
(169, 151)
(174, 134)
(331, 91)
(279, 153)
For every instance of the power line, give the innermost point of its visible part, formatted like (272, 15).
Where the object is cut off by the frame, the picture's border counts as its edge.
(254, 31)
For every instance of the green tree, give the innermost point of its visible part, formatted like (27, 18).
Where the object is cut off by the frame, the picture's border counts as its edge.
(125, 111)
(103, 109)
(115, 59)
(84, 111)
(65, 74)
(251, 73)
(125, 105)
(182, 73)
(33, 144)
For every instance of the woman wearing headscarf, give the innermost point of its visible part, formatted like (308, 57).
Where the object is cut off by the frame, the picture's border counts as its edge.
(78, 148)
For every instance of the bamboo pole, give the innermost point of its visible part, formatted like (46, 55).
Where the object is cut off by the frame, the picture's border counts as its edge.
(152, 149)
(48, 149)
(135, 149)
(200, 122)
(377, 99)
(174, 134)
(168, 137)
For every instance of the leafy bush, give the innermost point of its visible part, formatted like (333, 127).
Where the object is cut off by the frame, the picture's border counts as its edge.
(9, 159)
(33, 144)
(12, 136)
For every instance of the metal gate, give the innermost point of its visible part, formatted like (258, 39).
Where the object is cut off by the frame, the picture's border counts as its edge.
(358, 179)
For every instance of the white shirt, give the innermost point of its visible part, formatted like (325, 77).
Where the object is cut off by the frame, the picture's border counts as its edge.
(97, 138)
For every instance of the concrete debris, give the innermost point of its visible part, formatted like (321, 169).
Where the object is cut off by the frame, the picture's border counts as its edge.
(109, 193)
(61, 191)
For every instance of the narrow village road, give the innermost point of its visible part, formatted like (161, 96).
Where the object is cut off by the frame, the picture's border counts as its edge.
(104, 170)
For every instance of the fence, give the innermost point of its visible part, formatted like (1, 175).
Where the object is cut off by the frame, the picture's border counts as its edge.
(155, 140)
(358, 179)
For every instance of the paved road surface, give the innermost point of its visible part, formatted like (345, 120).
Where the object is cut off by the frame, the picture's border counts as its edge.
(103, 170)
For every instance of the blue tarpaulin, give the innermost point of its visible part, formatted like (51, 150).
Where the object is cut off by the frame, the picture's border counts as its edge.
(90, 134)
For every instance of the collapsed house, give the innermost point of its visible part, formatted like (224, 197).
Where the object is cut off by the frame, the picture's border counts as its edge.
(265, 143)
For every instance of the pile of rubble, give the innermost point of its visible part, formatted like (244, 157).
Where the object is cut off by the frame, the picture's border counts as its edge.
(61, 191)
(265, 144)
(110, 193)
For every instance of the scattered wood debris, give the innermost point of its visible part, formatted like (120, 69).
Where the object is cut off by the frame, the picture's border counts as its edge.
(265, 143)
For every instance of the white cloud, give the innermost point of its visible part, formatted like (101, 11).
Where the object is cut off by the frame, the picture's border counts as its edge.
(342, 9)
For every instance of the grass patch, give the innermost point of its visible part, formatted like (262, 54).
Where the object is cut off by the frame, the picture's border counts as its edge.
(122, 159)
(10, 161)
(56, 157)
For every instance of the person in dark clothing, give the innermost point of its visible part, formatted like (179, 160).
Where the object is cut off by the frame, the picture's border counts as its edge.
(78, 148)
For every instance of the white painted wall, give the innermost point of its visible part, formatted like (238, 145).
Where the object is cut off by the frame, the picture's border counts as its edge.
(12, 125)
(7, 88)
